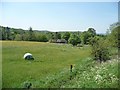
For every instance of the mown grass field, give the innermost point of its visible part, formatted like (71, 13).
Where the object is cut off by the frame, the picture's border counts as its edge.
(51, 66)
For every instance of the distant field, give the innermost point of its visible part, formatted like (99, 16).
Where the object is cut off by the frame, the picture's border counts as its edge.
(51, 66)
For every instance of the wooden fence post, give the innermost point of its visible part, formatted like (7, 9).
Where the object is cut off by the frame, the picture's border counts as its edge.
(71, 66)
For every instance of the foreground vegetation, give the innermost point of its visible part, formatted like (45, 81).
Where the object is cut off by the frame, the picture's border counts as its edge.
(51, 67)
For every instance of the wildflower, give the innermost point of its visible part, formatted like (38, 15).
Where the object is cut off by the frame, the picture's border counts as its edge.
(92, 69)
(98, 77)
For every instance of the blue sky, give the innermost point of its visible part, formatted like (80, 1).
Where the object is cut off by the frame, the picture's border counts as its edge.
(59, 16)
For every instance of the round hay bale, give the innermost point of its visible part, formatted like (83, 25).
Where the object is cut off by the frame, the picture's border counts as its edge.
(28, 56)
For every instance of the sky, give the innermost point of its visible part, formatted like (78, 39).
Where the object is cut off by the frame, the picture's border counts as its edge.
(59, 16)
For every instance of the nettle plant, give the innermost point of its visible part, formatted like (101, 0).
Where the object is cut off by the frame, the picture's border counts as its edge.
(100, 49)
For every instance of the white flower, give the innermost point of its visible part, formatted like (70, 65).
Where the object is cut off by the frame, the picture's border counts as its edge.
(98, 77)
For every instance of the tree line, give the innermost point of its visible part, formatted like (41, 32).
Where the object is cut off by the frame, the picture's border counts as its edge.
(100, 43)
(74, 38)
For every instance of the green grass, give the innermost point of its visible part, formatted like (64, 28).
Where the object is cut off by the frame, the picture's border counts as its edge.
(51, 66)
(95, 75)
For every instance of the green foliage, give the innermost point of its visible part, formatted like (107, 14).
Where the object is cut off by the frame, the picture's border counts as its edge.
(3, 31)
(99, 49)
(7, 33)
(18, 37)
(42, 38)
(86, 35)
(12, 36)
(92, 32)
(74, 40)
(31, 35)
(57, 35)
(113, 36)
(34, 35)
(66, 36)
(50, 35)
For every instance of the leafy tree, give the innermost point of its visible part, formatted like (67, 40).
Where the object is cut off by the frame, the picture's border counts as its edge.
(74, 40)
(31, 35)
(57, 35)
(43, 38)
(100, 49)
(113, 36)
(7, 33)
(50, 35)
(54, 37)
(66, 36)
(4, 34)
(12, 36)
(114, 25)
(92, 32)
(25, 37)
(18, 37)
(86, 35)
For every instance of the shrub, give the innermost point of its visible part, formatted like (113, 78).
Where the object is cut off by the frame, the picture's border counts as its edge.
(42, 38)
(74, 40)
(100, 49)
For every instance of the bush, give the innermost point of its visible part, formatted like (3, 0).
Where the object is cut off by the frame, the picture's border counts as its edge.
(100, 49)
(74, 40)
(42, 38)
(113, 37)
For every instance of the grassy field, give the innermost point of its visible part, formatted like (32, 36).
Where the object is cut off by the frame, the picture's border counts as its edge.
(51, 66)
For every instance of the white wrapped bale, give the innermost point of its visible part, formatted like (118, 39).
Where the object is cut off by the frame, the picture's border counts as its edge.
(28, 56)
